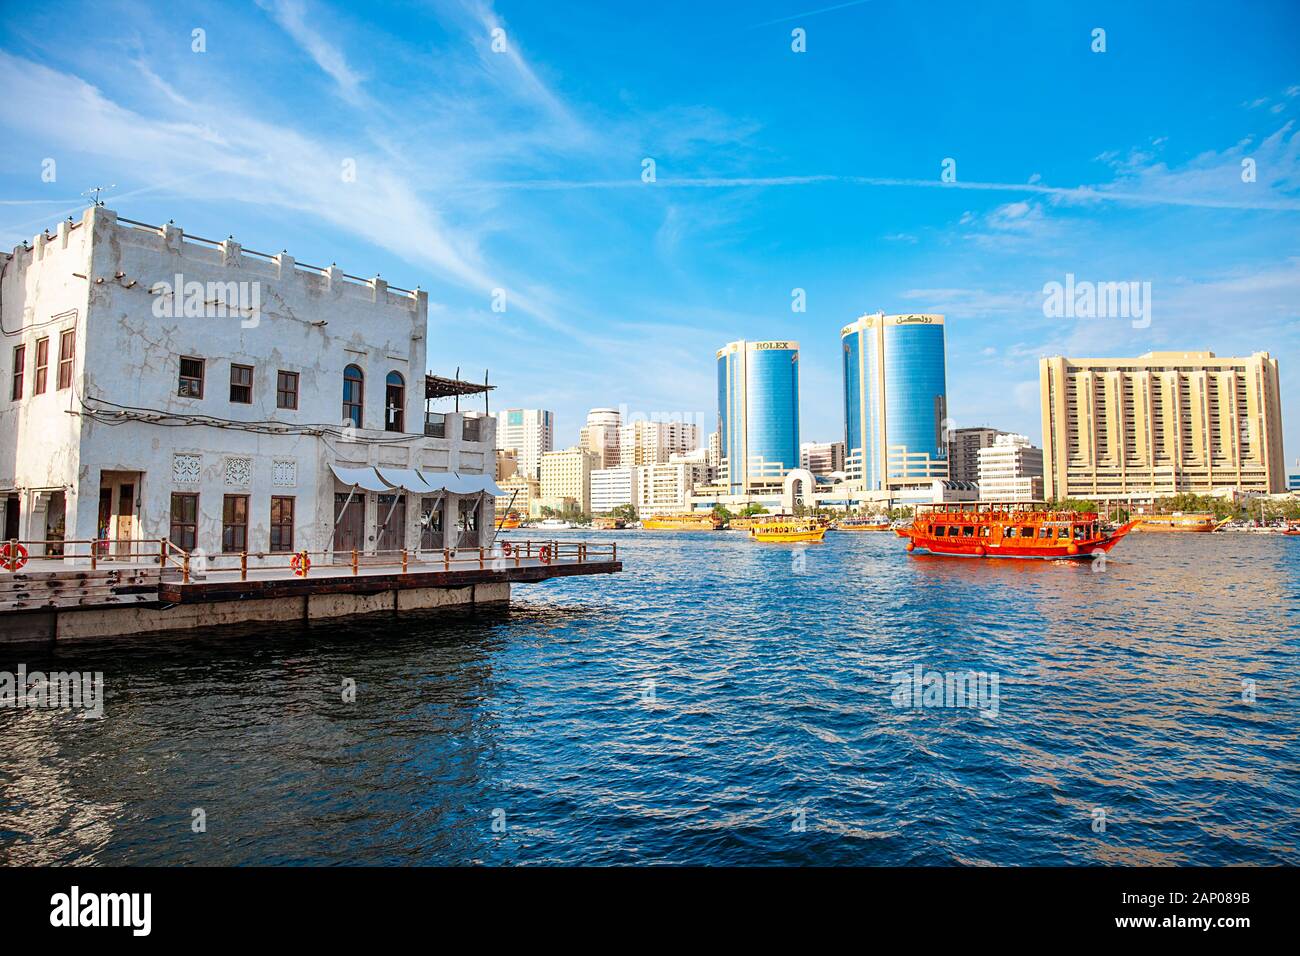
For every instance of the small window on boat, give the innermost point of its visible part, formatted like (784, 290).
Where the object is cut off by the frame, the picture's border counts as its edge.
(985, 531)
(968, 531)
(1010, 532)
(1026, 532)
(1062, 532)
(1044, 532)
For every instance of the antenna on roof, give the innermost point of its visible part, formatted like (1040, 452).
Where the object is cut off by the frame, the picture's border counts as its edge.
(97, 190)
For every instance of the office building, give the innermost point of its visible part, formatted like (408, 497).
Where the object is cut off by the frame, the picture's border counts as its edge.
(895, 400)
(1161, 424)
(612, 487)
(822, 458)
(758, 414)
(567, 475)
(964, 446)
(1011, 469)
(530, 433)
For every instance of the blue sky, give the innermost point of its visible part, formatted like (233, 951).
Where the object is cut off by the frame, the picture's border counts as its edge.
(776, 170)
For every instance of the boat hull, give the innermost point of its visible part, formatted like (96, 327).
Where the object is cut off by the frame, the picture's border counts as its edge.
(778, 537)
(980, 548)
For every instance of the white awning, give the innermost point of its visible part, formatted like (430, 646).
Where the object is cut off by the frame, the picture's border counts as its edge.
(407, 479)
(363, 478)
(453, 483)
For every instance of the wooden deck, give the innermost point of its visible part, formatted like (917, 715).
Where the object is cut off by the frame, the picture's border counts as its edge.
(144, 584)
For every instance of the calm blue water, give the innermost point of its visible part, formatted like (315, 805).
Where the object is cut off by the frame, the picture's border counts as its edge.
(1118, 692)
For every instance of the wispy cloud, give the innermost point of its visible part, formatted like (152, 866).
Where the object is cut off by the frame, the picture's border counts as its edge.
(292, 16)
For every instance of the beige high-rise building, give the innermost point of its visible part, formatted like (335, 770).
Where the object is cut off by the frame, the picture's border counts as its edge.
(601, 435)
(644, 442)
(1160, 424)
(567, 474)
(520, 493)
(529, 432)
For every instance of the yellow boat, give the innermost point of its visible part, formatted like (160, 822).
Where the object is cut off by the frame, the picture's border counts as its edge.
(704, 521)
(1179, 522)
(778, 531)
(509, 521)
(744, 524)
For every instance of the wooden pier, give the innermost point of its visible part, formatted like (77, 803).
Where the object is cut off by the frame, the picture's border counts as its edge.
(71, 596)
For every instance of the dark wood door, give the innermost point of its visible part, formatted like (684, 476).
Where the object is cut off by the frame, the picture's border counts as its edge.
(349, 523)
(391, 535)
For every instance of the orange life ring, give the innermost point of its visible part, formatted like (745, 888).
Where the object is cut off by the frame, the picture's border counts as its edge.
(505, 548)
(980, 552)
(544, 555)
(14, 561)
(911, 546)
(300, 563)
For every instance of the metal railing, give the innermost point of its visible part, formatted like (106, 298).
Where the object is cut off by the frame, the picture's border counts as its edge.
(435, 425)
(16, 554)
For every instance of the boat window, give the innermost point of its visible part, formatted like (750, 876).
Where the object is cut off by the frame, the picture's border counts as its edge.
(1062, 533)
(985, 531)
(968, 532)
(1010, 532)
(1026, 532)
(1044, 532)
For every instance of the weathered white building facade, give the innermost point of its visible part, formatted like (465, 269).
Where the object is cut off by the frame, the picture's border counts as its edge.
(164, 386)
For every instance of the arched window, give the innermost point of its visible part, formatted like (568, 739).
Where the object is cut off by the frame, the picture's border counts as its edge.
(353, 390)
(395, 403)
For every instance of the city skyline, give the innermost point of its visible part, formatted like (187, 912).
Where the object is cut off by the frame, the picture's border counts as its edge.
(474, 171)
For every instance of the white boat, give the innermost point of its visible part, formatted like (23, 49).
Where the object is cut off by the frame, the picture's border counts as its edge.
(553, 523)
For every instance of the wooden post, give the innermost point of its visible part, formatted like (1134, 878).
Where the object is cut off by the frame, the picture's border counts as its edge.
(94, 553)
(243, 565)
(355, 562)
(162, 552)
(446, 559)
(185, 570)
(480, 557)
(615, 557)
(403, 560)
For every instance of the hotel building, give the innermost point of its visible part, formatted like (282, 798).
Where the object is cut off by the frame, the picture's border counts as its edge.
(666, 488)
(1011, 469)
(612, 487)
(646, 442)
(895, 400)
(601, 435)
(566, 476)
(1161, 424)
(530, 433)
(758, 415)
(158, 385)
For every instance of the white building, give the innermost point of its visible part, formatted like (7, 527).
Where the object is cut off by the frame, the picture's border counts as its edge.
(1011, 469)
(530, 433)
(822, 458)
(644, 442)
(611, 487)
(159, 386)
(601, 435)
(666, 488)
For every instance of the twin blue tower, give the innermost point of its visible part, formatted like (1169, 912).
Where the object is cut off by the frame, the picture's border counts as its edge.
(895, 405)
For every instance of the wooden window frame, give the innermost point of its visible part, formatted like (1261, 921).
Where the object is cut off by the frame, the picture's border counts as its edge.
(193, 526)
(19, 380)
(182, 378)
(252, 372)
(42, 365)
(67, 358)
(239, 540)
(279, 526)
(280, 391)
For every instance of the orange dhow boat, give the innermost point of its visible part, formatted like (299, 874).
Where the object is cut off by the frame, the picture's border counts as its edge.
(1011, 530)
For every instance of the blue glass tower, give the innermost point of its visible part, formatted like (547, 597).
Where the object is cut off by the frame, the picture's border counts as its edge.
(758, 412)
(895, 399)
